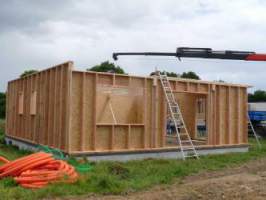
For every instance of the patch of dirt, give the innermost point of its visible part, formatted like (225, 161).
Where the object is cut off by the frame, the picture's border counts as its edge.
(245, 182)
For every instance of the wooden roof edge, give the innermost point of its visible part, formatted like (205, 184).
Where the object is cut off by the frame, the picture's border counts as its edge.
(171, 78)
(49, 68)
(136, 76)
(210, 82)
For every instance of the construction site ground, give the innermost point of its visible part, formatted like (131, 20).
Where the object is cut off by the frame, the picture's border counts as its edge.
(247, 181)
(227, 176)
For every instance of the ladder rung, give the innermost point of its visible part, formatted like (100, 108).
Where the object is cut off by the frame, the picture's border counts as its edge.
(177, 115)
(171, 136)
(183, 134)
(180, 125)
(174, 106)
(188, 148)
(186, 141)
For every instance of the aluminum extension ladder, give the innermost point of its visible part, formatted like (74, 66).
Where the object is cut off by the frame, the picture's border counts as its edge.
(250, 127)
(183, 139)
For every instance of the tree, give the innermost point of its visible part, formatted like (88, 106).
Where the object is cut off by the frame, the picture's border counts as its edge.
(2, 105)
(107, 67)
(170, 74)
(257, 96)
(190, 75)
(28, 72)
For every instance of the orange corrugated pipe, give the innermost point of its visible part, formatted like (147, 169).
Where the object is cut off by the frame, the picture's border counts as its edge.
(37, 170)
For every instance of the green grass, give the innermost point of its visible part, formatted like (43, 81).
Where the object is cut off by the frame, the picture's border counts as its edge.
(121, 178)
(8, 151)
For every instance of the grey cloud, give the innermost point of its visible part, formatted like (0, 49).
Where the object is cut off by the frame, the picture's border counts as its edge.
(38, 34)
(28, 14)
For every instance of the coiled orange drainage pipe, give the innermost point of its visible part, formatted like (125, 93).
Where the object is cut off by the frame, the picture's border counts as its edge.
(38, 170)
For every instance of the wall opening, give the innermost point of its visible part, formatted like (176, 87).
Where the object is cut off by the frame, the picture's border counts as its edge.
(21, 103)
(194, 111)
(33, 103)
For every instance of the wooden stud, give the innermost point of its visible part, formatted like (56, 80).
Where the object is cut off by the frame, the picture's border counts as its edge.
(163, 121)
(228, 117)
(144, 108)
(94, 112)
(208, 115)
(238, 115)
(113, 80)
(187, 87)
(37, 120)
(61, 97)
(128, 137)
(245, 121)
(83, 112)
(68, 105)
(50, 108)
(218, 116)
(197, 87)
(55, 110)
(112, 137)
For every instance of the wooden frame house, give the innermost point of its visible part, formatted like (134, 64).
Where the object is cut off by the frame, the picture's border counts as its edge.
(89, 113)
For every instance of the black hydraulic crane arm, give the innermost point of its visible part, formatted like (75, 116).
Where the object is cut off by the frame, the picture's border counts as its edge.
(188, 52)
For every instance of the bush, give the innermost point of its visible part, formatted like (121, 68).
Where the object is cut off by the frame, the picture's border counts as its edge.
(2, 105)
(2, 131)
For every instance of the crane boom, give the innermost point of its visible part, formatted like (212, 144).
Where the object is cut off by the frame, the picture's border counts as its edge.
(189, 52)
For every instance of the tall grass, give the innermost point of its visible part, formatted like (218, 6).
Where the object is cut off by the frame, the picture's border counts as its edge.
(124, 177)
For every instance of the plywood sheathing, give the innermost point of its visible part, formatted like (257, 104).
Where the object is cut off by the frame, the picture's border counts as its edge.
(71, 111)
(48, 125)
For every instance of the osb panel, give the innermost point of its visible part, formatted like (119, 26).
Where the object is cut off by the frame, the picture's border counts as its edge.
(243, 117)
(161, 109)
(87, 110)
(76, 110)
(173, 85)
(36, 126)
(222, 130)
(125, 103)
(122, 80)
(103, 138)
(148, 110)
(120, 137)
(203, 88)
(136, 137)
(181, 86)
(136, 82)
(193, 87)
(82, 111)
(233, 116)
(105, 79)
(51, 102)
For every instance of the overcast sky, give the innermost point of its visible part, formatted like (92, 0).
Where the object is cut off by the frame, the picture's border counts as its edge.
(38, 34)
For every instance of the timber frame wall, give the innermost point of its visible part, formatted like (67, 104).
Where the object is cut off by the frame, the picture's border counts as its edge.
(83, 112)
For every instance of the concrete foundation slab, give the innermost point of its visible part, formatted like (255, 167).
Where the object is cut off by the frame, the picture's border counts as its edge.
(125, 156)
